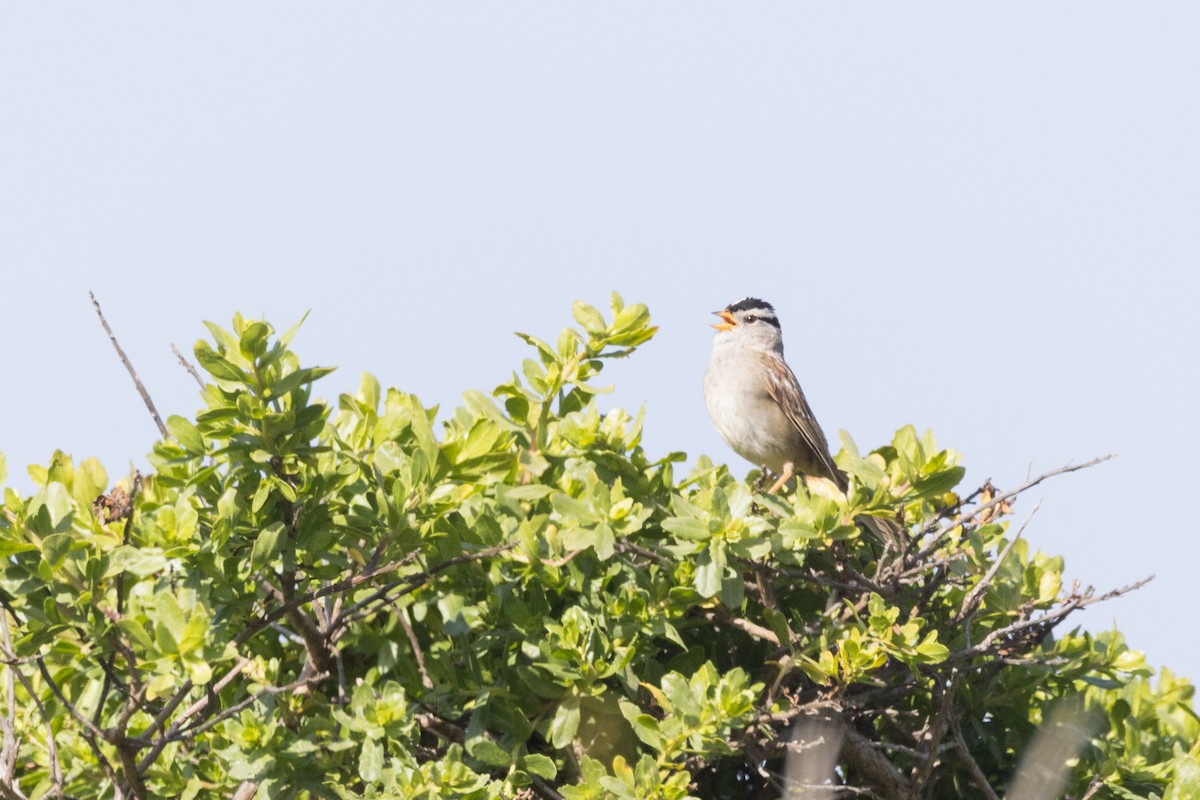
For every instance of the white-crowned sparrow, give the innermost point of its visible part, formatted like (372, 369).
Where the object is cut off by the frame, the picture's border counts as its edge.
(759, 409)
(755, 400)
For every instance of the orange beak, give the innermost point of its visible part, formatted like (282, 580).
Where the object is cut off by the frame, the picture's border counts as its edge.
(728, 324)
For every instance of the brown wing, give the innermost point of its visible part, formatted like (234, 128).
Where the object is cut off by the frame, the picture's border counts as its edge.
(785, 390)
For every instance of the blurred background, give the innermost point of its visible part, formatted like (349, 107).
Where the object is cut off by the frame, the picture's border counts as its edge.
(977, 219)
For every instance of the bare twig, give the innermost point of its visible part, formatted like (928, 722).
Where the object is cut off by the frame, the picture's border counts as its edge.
(52, 749)
(114, 640)
(1081, 600)
(89, 728)
(973, 598)
(1095, 786)
(413, 582)
(993, 503)
(245, 791)
(197, 707)
(936, 730)
(132, 373)
(546, 789)
(969, 760)
(812, 757)
(237, 708)
(562, 562)
(187, 365)
(873, 765)
(316, 643)
(8, 726)
(625, 546)
(415, 643)
(742, 624)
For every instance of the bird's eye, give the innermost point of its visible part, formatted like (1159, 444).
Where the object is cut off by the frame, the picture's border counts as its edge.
(751, 318)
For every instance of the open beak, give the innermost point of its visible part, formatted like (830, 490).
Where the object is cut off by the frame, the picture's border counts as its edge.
(728, 322)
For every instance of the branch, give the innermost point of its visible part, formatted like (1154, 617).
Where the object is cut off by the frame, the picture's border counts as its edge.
(873, 766)
(936, 731)
(744, 625)
(236, 708)
(125, 360)
(187, 365)
(89, 728)
(107, 664)
(973, 598)
(12, 745)
(414, 581)
(210, 693)
(994, 502)
(245, 791)
(315, 642)
(406, 623)
(969, 760)
(1051, 618)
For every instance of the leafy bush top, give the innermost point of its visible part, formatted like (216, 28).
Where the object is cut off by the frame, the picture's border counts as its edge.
(316, 601)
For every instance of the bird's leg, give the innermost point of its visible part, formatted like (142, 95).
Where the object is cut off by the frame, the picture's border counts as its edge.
(763, 479)
(788, 472)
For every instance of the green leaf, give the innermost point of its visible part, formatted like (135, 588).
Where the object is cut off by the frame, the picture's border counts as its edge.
(710, 569)
(689, 528)
(55, 548)
(565, 723)
(267, 545)
(939, 482)
(171, 622)
(484, 749)
(141, 562)
(482, 405)
(286, 338)
(370, 762)
(540, 765)
(682, 697)
(57, 503)
(604, 543)
(254, 339)
(532, 491)
(90, 482)
(573, 510)
(644, 726)
(217, 366)
(295, 379)
(187, 434)
(589, 318)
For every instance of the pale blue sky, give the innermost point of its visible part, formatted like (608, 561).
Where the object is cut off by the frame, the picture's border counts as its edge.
(980, 218)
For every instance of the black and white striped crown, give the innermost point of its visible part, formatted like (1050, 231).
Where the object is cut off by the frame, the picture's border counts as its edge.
(749, 303)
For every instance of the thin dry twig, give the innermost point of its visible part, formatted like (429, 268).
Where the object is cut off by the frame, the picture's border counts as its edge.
(1095, 786)
(202, 704)
(415, 643)
(973, 598)
(237, 708)
(187, 365)
(413, 582)
(1050, 618)
(8, 726)
(936, 730)
(245, 791)
(128, 366)
(1004, 497)
(742, 624)
(969, 760)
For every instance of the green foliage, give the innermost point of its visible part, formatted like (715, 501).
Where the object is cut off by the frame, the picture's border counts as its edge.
(320, 601)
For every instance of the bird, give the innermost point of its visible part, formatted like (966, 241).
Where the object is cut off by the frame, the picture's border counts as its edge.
(755, 401)
(758, 407)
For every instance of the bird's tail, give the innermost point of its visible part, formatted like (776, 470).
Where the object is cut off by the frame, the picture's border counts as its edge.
(888, 531)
